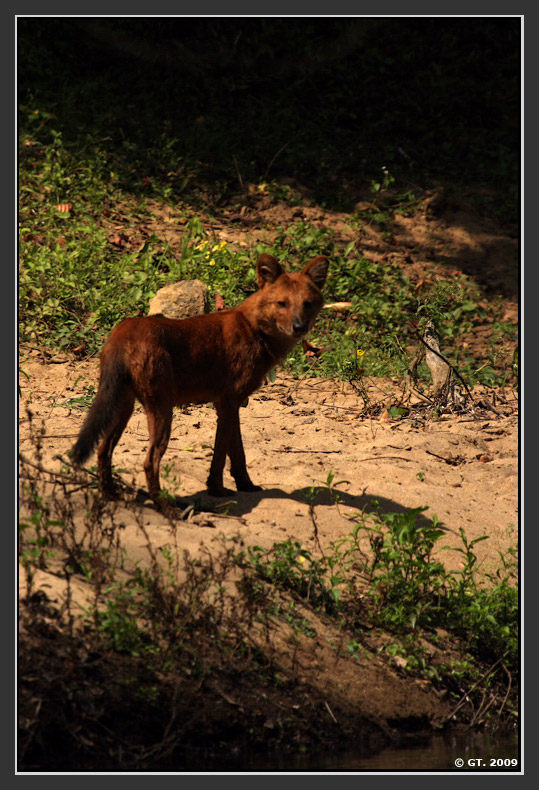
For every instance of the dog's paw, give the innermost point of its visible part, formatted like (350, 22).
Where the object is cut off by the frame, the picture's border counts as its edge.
(248, 487)
(219, 490)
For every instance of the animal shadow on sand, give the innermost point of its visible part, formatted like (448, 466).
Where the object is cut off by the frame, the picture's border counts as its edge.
(241, 504)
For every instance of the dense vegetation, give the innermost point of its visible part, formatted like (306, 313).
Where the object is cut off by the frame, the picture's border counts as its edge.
(117, 113)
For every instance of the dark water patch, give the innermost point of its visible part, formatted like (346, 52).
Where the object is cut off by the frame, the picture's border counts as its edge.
(442, 753)
(458, 753)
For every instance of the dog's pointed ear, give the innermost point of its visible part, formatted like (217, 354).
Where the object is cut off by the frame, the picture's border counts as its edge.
(317, 270)
(268, 269)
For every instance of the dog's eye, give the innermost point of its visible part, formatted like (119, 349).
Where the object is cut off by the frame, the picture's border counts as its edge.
(307, 304)
(281, 304)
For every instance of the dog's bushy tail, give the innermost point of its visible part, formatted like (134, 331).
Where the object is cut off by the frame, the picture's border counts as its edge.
(103, 412)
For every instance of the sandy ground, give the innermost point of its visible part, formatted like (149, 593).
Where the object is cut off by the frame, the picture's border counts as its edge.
(464, 469)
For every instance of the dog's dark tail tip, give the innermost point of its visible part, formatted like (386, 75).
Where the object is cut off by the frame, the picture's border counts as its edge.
(80, 451)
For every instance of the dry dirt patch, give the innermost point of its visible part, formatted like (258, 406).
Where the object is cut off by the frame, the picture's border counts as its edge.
(463, 468)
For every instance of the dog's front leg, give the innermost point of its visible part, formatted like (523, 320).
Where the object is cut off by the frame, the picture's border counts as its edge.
(238, 467)
(215, 478)
(228, 442)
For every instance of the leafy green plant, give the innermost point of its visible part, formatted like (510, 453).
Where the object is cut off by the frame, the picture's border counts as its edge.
(398, 584)
(118, 620)
(35, 545)
(452, 306)
(289, 566)
(329, 485)
(405, 581)
(412, 590)
(354, 649)
(304, 241)
(172, 483)
(488, 614)
(386, 181)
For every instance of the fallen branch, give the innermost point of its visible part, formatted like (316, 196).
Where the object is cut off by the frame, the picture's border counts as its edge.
(473, 687)
(502, 706)
(281, 149)
(338, 307)
(330, 712)
(42, 469)
(450, 461)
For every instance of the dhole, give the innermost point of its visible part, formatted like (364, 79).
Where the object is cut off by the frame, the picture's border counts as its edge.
(220, 357)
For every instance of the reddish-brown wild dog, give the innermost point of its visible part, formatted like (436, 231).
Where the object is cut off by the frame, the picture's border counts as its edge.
(220, 357)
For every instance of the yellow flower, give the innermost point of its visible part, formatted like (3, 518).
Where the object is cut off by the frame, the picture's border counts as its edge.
(212, 262)
(360, 352)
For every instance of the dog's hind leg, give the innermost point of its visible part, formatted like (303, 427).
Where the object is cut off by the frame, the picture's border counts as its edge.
(122, 413)
(159, 424)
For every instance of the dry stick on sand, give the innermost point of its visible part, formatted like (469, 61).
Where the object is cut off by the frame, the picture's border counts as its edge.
(41, 468)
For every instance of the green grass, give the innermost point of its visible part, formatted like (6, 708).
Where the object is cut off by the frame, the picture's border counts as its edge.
(75, 284)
